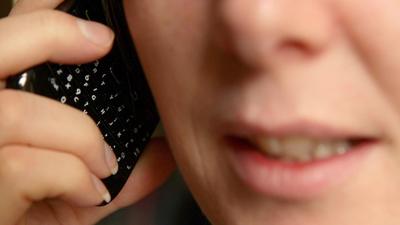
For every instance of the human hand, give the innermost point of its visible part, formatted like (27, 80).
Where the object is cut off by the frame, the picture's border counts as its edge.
(51, 155)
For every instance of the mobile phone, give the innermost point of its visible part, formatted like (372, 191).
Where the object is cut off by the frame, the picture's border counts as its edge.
(112, 90)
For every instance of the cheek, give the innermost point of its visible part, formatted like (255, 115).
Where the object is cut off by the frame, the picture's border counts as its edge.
(171, 43)
(376, 40)
(169, 36)
(166, 45)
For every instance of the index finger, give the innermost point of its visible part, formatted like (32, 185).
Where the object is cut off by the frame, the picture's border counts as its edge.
(48, 35)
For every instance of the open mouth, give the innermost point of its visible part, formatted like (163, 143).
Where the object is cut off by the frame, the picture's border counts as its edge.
(301, 149)
(296, 166)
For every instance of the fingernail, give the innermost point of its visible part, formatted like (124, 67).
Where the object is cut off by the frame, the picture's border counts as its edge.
(111, 160)
(96, 33)
(101, 189)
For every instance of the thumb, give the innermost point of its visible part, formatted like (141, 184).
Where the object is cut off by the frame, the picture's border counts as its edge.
(152, 170)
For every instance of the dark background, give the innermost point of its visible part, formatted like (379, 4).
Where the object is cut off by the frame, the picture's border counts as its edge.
(5, 6)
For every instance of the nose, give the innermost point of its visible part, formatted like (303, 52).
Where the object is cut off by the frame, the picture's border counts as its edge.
(268, 32)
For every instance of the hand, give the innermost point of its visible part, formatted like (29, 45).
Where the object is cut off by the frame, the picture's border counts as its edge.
(52, 156)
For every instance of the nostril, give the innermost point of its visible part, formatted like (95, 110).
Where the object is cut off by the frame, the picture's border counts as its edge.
(295, 48)
(294, 45)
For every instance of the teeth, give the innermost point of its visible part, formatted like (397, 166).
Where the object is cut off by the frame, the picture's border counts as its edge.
(297, 148)
(323, 151)
(271, 144)
(301, 149)
(342, 147)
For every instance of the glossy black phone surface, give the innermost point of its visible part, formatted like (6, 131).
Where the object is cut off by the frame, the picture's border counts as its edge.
(112, 90)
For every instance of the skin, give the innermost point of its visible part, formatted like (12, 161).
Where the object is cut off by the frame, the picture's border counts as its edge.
(208, 62)
(265, 62)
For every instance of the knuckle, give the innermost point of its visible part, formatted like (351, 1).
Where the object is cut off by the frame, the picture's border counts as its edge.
(76, 175)
(14, 162)
(91, 148)
(51, 22)
(94, 138)
(12, 105)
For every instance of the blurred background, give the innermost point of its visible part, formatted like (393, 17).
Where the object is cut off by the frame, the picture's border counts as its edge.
(172, 204)
(5, 6)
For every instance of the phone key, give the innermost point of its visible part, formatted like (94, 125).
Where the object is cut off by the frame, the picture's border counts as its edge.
(121, 108)
(84, 74)
(54, 85)
(119, 129)
(113, 123)
(93, 68)
(74, 73)
(81, 105)
(86, 104)
(122, 103)
(103, 101)
(108, 136)
(68, 87)
(60, 71)
(115, 99)
(80, 102)
(124, 136)
(63, 99)
(94, 99)
(106, 84)
(129, 167)
(114, 120)
(106, 113)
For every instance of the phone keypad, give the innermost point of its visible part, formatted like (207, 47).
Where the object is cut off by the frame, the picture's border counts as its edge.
(95, 90)
(112, 91)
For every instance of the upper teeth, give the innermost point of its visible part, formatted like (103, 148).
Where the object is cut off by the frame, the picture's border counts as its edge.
(297, 148)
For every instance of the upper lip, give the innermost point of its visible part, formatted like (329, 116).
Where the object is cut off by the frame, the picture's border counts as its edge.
(304, 128)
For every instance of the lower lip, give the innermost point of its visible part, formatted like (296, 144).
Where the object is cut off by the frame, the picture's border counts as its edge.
(293, 180)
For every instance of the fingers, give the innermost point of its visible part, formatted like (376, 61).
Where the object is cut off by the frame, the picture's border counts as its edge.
(28, 119)
(34, 38)
(30, 174)
(26, 6)
(49, 35)
(154, 167)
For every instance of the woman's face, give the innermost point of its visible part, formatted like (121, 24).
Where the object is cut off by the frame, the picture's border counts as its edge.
(279, 112)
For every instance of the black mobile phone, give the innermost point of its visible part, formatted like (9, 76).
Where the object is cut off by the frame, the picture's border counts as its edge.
(112, 90)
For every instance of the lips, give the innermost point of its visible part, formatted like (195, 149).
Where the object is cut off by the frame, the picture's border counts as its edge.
(299, 162)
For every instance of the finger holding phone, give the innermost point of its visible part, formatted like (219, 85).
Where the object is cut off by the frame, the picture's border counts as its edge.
(53, 156)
